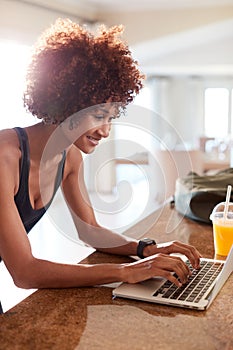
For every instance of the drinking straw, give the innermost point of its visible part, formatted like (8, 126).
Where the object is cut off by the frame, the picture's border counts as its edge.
(228, 195)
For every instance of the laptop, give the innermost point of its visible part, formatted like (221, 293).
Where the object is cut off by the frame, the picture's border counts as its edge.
(198, 293)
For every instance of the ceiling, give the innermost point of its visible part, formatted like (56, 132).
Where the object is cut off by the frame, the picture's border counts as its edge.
(207, 48)
(92, 7)
(128, 5)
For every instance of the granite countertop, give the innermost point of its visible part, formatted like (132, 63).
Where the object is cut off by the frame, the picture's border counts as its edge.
(88, 318)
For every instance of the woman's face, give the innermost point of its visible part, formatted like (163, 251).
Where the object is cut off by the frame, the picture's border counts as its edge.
(94, 126)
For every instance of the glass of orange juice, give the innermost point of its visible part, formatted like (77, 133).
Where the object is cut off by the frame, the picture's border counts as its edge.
(222, 230)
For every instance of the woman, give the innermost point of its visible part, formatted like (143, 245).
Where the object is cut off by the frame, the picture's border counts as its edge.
(77, 82)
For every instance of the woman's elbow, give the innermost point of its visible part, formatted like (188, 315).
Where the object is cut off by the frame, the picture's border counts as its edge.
(26, 277)
(23, 282)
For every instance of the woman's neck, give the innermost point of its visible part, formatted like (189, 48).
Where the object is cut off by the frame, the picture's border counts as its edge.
(38, 137)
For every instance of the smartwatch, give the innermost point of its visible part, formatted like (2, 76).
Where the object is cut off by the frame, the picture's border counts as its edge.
(142, 244)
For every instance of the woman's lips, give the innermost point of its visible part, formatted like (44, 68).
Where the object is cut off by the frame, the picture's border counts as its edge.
(94, 141)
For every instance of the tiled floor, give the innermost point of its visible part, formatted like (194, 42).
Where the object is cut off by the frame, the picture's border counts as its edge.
(54, 237)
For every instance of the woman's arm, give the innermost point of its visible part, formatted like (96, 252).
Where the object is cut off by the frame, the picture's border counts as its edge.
(98, 237)
(77, 199)
(15, 250)
(30, 272)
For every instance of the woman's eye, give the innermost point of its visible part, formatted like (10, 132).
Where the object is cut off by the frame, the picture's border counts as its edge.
(99, 116)
(104, 117)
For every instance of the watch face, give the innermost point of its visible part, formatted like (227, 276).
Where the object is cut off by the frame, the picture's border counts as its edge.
(148, 240)
(142, 244)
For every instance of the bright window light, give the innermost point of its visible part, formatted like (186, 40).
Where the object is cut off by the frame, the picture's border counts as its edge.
(144, 98)
(231, 112)
(216, 112)
(133, 133)
(13, 62)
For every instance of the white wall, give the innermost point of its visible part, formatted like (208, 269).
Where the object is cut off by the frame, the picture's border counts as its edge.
(24, 22)
(141, 26)
(179, 100)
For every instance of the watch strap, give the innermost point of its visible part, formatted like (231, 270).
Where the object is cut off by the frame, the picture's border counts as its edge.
(142, 244)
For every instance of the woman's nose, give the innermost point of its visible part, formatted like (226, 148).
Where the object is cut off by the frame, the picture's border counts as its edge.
(104, 130)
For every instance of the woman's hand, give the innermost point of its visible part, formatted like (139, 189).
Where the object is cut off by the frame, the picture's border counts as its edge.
(175, 247)
(159, 265)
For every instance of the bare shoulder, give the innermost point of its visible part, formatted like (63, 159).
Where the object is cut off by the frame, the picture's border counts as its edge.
(10, 155)
(74, 160)
(8, 139)
(9, 146)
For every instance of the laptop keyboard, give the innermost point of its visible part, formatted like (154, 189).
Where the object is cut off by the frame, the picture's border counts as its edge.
(196, 286)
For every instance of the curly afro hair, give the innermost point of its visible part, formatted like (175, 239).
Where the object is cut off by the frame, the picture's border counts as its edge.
(72, 69)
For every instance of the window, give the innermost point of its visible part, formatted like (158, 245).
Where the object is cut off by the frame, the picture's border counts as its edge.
(231, 112)
(13, 61)
(218, 112)
(129, 128)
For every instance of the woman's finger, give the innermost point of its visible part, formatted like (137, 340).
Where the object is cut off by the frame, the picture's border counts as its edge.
(188, 250)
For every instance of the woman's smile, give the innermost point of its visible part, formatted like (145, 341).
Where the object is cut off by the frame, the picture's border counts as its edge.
(93, 140)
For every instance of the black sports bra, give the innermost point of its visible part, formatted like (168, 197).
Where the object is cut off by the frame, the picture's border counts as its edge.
(29, 215)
